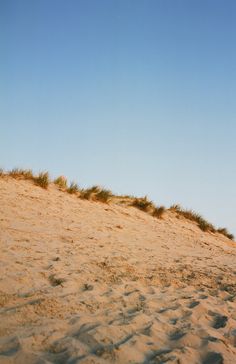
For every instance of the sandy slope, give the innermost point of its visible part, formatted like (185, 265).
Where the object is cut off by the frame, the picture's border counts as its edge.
(84, 282)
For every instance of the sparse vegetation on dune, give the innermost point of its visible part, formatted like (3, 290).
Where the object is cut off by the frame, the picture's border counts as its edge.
(142, 203)
(42, 180)
(90, 193)
(73, 188)
(128, 197)
(175, 208)
(15, 172)
(159, 212)
(104, 195)
(28, 174)
(191, 215)
(61, 182)
(203, 224)
(148, 206)
(225, 232)
(21, 173)
(96, 193)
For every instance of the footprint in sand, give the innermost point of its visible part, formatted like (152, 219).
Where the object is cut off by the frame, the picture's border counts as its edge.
(9, 347)
(193, 304)
(157, 356)
(220, 321)
(213, 358)
(176, 335)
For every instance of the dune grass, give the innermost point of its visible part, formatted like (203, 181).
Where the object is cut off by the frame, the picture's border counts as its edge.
(90, 193)
(225, 232)
(143, 203)
(96, 193)
(15, 172)
(73, 188)
(104, 195)
(21, 173)
(42, 180)
(61, 182)
(191, 215)
(159, 212)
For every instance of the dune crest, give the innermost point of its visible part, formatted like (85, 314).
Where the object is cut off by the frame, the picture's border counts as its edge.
(87, 282)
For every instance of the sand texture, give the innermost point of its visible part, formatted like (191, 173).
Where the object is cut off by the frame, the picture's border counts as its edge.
(86, 282)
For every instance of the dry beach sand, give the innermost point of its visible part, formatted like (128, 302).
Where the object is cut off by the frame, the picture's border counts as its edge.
(86, 282)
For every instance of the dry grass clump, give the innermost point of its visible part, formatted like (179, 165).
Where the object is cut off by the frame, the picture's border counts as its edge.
(96, 193)
(21, 173)
(126, 197)
(203, 224)
(142, 203)
(15, 172)
(73, 188)
(225, 232)
(90, 193)
(28, 174)
(191, 215)
(61, 182)
(42, 180)
(1, 172)
(148, 206)
(175, 208)
(158, 212)
(104, 195)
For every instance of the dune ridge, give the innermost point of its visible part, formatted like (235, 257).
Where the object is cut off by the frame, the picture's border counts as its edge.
(86, 282)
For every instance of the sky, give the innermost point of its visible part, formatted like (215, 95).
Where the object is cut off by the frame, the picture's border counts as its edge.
(135, 95)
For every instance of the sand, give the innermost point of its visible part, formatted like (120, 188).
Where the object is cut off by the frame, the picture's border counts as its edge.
(86, 282)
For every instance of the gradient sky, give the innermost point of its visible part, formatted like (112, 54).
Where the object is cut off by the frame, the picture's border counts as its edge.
(135, 95)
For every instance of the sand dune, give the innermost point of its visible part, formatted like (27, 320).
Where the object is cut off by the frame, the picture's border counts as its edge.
(86, 282)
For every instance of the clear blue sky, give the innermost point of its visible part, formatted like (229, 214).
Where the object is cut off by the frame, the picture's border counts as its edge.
(135, 95)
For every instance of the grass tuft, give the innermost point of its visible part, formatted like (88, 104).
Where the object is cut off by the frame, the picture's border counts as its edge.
(143, 204)
(205, 225)
(175, 208)
(158, 212)
(191, 215)
(21, 173)
(96, 193)
(1, 172)
(225, 232)
(27, 174)
(15, 172)
(73, 188)
(42, 180)
(61, 182)
(103, 195)
(90, 193)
